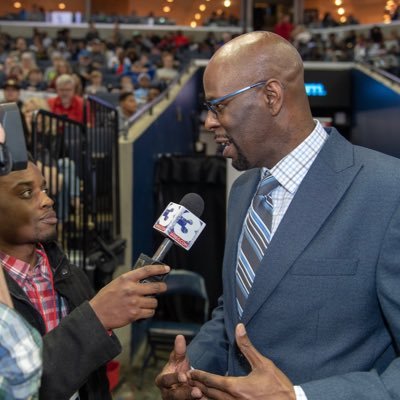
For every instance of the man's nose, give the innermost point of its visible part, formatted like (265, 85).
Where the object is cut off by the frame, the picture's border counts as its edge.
(46, 200)
(211, 122)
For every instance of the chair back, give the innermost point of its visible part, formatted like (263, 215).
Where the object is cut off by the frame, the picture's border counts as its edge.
(176, 314)
(188, 284)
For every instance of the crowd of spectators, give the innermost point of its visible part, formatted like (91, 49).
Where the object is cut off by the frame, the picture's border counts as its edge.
(62, 69)
(38, 13)
(144, 64)
(374, 48)
(370, 46)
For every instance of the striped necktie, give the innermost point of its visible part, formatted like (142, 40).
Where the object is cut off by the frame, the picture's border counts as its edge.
(255, 239)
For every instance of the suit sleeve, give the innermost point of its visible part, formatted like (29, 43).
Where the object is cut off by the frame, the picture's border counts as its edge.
(73, 350)
(208, 351)
(371, 385)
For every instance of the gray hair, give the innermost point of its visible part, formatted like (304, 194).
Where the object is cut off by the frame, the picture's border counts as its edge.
(64, 79)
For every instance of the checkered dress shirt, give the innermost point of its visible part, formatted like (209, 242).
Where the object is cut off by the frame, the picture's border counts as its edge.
(37, 283)
(291, 170)
(20, 357)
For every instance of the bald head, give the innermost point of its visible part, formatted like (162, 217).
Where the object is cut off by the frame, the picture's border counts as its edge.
(259, 56)
(277, 112)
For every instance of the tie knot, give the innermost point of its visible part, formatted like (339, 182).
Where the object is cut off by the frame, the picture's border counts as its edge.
(267, 185)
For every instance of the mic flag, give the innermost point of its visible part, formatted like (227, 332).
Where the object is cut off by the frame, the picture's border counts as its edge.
(180, 225)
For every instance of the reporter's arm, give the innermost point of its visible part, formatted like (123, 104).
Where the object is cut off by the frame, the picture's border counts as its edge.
(76, 353)
(81, 345)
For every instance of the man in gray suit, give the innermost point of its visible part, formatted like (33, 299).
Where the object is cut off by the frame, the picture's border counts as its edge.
(322, 316)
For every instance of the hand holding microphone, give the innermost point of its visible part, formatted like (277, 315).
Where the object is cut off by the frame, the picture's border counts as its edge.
(127, 299)
(130, 297)
(181, 225)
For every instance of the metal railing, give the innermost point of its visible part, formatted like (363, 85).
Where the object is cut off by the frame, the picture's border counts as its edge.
(81, 165)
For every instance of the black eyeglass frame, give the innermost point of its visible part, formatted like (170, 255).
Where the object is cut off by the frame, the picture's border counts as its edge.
(211, 104)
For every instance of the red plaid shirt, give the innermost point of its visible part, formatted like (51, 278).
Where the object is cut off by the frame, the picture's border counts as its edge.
(38, 285)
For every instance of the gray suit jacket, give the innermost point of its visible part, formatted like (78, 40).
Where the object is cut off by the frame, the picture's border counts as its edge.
(325, 304)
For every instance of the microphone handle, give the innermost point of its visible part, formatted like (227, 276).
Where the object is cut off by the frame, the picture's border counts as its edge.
(146, 260)
(163, 249)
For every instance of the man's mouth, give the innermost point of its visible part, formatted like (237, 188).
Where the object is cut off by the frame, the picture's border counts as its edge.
(223, 144)
(49, 218)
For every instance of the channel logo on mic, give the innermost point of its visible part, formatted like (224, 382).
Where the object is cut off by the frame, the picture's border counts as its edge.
(180, 225)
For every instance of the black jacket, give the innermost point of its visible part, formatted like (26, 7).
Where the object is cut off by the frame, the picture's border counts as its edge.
(74, 353)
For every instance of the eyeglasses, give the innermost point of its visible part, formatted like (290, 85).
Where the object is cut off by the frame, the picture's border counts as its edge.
(212, 105)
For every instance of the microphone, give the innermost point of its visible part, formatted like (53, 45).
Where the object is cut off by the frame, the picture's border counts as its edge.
(181, 225)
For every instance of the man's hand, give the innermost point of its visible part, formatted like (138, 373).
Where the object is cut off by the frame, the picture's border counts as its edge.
(125, 299)
(265, 382)
(172, 380)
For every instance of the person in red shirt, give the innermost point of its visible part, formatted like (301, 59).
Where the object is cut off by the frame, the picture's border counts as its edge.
(284, 27)
(67, 102)
(180, 40)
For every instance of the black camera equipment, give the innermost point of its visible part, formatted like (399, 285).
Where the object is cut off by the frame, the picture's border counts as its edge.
(13, 154)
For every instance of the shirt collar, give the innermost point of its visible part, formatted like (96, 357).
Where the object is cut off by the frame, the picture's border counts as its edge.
(21, 270)
(291, 170)
(60, 104)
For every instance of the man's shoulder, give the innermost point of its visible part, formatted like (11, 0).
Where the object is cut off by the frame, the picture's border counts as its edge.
(375, 156)
(340, 148)
(380, 167)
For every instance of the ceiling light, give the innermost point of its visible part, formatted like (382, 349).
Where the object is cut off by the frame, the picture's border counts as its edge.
(227, 3)
(61, 6)
(202, 7)
(341, 11)
(193, 24)
(17, 4)
(197, 16)
(338, 3)
(166, 9)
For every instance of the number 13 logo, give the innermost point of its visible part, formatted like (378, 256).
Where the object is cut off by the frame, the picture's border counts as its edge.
(169, 214)
(187, 226)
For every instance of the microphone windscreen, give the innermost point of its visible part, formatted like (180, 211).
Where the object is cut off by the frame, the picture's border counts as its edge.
(194, 203)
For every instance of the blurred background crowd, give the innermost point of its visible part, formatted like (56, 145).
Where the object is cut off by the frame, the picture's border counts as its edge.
(143, 64)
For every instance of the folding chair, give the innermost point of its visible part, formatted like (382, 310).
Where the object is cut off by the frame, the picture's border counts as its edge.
(182, 310)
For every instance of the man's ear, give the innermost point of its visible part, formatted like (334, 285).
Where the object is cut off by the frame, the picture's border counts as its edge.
(274, 95)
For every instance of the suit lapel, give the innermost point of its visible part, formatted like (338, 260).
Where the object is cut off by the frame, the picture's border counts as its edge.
(322, 188)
